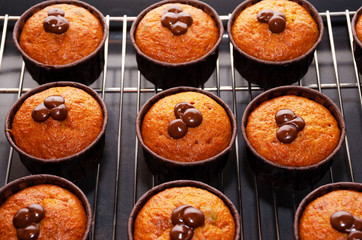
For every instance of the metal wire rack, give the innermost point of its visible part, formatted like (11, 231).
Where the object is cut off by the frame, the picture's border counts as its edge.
(122, 176)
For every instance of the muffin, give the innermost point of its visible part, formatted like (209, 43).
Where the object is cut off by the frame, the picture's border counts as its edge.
(62, 40)
(56, 122)
(357, 38)
(36, 205)
(274, 40)
(330, 212)
(183, 129)
(192, 208)
(176, 42)
(293, 129)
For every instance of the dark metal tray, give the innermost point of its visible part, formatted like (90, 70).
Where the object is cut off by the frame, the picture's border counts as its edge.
(123, 177)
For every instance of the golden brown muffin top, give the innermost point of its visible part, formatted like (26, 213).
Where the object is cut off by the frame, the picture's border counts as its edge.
(211, 137)
(53, 138)
(255, 38)
(158, 42)
(84, 35)
(65, 217)
(359, 28)
(154, 219)
(314, 143)
(315, 221)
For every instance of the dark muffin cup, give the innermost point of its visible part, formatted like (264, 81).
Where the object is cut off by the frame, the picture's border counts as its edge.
(29, 181)
(357, 43)
(276, 175)
(85, 70)
(72, 167)
(318, 193)
(166, 169)
(269, 74)
(182, 183)
(167, 75)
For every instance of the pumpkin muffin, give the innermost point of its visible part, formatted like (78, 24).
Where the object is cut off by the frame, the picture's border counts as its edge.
(46, 210)
(332, 216)
(155, 38)
(311, 143)
(70, 121)
(201, 212)
(78, 34)
(210, 137)
(258, 30)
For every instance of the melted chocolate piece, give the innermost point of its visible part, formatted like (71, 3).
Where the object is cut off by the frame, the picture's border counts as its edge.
(177, 128)
(192, 117)
(181, 232)
(56, 12)
(30, 232)
(185, 218)
(56, 24)
(51, 106)
(53, 101)
(40, 113)
(59, 113)
(181, 107)
(276, 20)
(26, 221)
(345, 222)
(193, 217)
(187, 116)
(176, 216)
(264, 15)
(176, 20)
(289, 125)
(357, 235)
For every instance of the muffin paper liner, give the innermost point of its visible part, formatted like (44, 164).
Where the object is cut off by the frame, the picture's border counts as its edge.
(29, 181)
(318, 193)
(85, 70)
(165, 169)
(269, 74)
(182, 183)
(72, 167)
(357, 43)
(167, 75)
(276, 175)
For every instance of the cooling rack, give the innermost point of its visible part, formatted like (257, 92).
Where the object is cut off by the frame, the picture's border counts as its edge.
(122, 176)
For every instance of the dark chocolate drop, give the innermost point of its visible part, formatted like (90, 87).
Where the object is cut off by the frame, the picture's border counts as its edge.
(342, 221)
(22, 218)
(168, 19)
(40, 113)
(176, 216)
(59, 113)
(192, 117)
(185, 18)
(177, 129)
(298, 122)
(30, 232)
(53, 101)
(277, 24)
(264, 15)
(356, 235)
(193, 217)
(36, 212)
(283, 116)
(174, 9)
(56, 24)
(56, 12)
(181, 232)
(181, 107)
(287, 133)
(179, 28)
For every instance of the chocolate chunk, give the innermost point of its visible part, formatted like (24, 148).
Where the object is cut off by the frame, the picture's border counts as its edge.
(177, 128)
(181, 232)
(53, 101)
(192, 117)
(40, 113)
(264, 15)
(56, 24)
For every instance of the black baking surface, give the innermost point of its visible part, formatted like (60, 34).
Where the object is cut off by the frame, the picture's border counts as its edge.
(285, 200)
